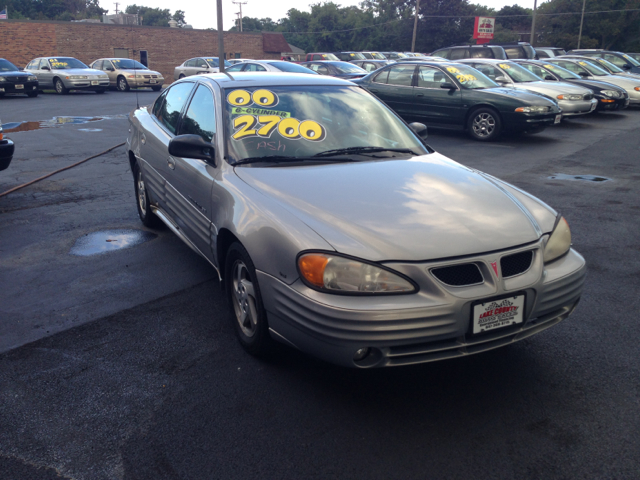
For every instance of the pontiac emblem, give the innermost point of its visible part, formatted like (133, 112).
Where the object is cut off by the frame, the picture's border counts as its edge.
(494, 265)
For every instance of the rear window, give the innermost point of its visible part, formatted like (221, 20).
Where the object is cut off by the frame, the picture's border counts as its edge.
(481, 53)
(291, 67)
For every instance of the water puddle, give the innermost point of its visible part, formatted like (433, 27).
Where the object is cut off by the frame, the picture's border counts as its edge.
(586, 178)
(109, 240)
(89, 129)
(56, 122)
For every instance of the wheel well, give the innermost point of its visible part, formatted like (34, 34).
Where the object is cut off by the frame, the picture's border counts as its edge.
(476, 107)
(224, 241)
(132, 163)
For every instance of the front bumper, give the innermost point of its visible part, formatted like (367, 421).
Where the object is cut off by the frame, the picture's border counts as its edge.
(145, 82)
(88, 84)
(27, 87)
(431, 325)
(6, 153)
(612, 104)
(523, 122)
(579, 107)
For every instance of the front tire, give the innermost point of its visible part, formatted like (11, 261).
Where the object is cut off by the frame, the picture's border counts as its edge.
(148, 218)
(484, 124)
(123, 85)
(156, 89)
(59, 87)
(245, 302)
(182, 75)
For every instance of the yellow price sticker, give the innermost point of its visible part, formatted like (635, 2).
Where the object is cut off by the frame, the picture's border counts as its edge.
(453, 70)
(548, 66)
(466, 78)
(504, 66)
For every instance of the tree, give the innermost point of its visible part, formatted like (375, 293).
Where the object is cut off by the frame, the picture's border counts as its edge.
(151, 16)
(54, 9)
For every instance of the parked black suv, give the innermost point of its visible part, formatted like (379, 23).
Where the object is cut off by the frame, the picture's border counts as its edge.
(619, 59)
(458, 52)
(522, 50)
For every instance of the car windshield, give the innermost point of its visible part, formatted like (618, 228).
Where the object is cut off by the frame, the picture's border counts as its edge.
(65, 63)
(631, 60)
(470, 78)
(378, 56)
(213, 62)
(6, 66)
(126, 64)
(292, 67)
(518, 74)
(345, 67)
(302, 121)
(593, 68)
(607, 65)
(356, 56)
(401, 55)
(330, 56)
(561, 72)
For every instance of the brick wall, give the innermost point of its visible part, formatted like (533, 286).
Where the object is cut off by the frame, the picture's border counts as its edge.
(22, 41)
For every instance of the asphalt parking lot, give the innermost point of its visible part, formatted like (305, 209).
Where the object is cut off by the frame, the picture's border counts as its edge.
(124, 365)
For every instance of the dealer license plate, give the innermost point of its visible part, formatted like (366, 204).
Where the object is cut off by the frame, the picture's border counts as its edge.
(495, 314)
(19, 87)
(153, 81)
(558, 118)
(95, 82)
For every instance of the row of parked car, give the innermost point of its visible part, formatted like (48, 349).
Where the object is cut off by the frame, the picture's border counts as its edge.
(63, 74)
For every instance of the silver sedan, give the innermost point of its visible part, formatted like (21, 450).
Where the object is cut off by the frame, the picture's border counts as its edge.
(125, 74)
(336, 230)
(269, 66)
(572, 99)
(198, 66)
(66, 73)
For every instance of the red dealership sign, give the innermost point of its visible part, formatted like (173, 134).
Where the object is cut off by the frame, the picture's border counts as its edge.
(483, 29)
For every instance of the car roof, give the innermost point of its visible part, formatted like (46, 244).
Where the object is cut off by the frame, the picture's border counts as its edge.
(483, 60)
(272, 79)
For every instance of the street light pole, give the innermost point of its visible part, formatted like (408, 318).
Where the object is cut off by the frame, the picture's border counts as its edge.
(220, 38)
(581, 20)
(415, 27)
(533, 23)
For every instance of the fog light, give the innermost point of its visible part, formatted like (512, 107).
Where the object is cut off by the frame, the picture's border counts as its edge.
(360, 354)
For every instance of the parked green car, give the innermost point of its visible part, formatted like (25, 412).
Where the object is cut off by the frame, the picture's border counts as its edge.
(455, 96)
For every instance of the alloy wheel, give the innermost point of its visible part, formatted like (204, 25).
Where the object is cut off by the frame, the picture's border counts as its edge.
(244, 301)
(484, 124)
(142, 194)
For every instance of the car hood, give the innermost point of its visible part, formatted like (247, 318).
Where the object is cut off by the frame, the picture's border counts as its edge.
(423, 208)
(139, 71)
(628, 83)
(551, 88)
(79, 71)
(517, 94)
(596, 85)
(15, 73)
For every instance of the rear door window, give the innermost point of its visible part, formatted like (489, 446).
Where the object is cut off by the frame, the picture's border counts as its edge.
(401, 75)
(459, 53)
(442, 53)
(616, 60)
(481, 53)
(169, 112)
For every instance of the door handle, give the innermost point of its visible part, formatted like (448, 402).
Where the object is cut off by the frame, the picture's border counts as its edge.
(419, 94)
(172, 163)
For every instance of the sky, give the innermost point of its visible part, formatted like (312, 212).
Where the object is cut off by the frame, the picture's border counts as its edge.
(202, 14)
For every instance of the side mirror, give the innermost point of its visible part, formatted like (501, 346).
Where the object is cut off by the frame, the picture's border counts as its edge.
(550, 78)
(419, 128)
(502, 79)
(447, 85)
(192, 146)
(110, 69)
(627, 66)
(46, 68)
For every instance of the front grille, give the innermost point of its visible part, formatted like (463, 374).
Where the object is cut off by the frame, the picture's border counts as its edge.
(459, 275)
(516, 264)
(16, 79)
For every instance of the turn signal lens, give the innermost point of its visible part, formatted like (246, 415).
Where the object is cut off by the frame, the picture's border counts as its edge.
(312, 268)
(606, 100)
(637, 89)
(336, 274)
(559, 241)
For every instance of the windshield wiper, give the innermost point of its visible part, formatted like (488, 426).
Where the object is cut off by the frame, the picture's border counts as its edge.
(280, 158)
(346, 151)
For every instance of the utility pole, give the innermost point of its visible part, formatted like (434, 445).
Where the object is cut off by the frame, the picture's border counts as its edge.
(240, 12)
(415, 27)
(581, 20)
(116, 4)
(220, 38)
(533, 24)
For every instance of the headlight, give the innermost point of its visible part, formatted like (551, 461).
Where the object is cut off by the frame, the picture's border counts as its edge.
(570, 97)
(559, 241)
(2, 79)
(103, 77)
(533, 109)
(336, 274)
(32, 78)
(611, 93)
(77, 77)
